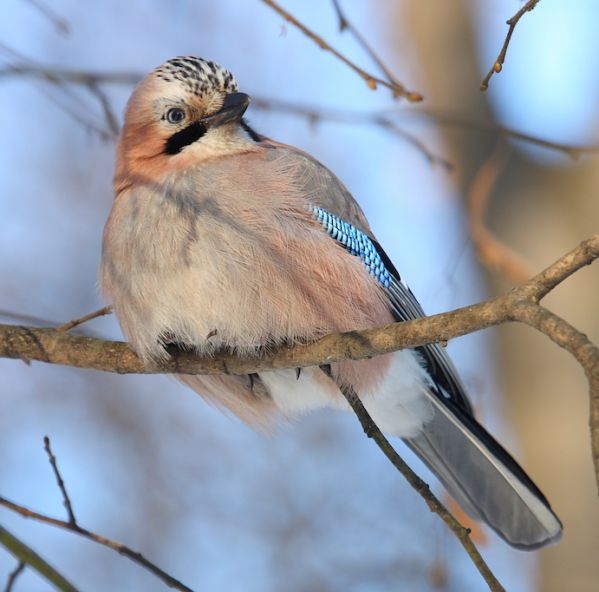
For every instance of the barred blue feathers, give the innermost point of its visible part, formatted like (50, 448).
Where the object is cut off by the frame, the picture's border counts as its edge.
(356, 242)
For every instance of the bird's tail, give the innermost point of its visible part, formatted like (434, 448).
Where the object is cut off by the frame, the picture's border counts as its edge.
(484, 479)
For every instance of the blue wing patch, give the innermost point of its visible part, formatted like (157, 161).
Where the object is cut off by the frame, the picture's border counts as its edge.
(403, 303)
(356, 242)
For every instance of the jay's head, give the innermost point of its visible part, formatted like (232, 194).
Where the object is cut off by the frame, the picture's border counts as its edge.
(185, 111)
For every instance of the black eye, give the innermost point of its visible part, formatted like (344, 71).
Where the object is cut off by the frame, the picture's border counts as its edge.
(175, 115)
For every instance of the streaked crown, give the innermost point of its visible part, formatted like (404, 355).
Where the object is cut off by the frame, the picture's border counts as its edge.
(199, 77)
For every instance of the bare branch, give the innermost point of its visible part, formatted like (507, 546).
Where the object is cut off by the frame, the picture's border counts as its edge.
(59, 22)
(456, 120)
(109, 116)
(26, 554)
(434, 504)
(134, 556)
(105, 310)
(492, 252)
(379, 119)
(13, 575)
(63, 490)
(58, 347)
(372, 81)
(311, 113)
(73, 526)
(512, 22)
(346, 25)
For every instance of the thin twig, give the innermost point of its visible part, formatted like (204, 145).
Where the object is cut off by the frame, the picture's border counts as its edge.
(26, 554)
(44, 322)
(134, 556)
(492, 252)
(512, 22)
(372, 81)
(421, 487)
(59, 22)
(383, 119)
(59, 480)
(346, 25)
(109, 116)
(13, 575)
(311, 113)
(105, 310)
(314, 115)
(459, 121)
(59, 75)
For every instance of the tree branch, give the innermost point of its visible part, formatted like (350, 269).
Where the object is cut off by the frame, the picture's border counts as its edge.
(27, 555)
(421, 487)
(346, 25)
(512, 22)
(372, 81)
(73, 526)
(313, 114)
(58, 347)
(492, 252)
(66, 500)
(13, 575)
(97, 538)
(520, 304)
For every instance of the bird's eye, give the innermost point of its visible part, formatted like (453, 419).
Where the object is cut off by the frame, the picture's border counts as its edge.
(175, 115)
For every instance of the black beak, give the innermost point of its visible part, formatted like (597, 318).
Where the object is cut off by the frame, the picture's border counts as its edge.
(233, 109)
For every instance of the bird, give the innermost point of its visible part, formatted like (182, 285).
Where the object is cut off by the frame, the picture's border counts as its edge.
(220, 238)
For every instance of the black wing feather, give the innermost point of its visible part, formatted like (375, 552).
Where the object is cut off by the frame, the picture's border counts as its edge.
(405, 307)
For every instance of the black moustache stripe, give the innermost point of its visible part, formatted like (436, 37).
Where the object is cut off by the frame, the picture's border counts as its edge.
(184, 137)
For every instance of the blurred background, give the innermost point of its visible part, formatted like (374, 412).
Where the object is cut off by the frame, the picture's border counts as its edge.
(314, 506)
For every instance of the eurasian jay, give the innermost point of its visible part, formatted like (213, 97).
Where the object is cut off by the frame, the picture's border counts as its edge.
(220, 238)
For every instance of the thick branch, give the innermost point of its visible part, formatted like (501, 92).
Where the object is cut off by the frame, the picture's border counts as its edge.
(28, 556)
(521, 304)
(58, 347)
(54, 346)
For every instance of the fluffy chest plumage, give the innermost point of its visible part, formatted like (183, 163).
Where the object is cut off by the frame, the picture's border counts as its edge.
(214, 258)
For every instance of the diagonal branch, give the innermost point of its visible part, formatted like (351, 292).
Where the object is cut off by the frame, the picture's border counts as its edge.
(346, 25)
(66, 500)
(13, 575)
(58, 347)
(512, 22)
(91, 78)
(372, 81)
(26, 555)
(421, 487)
(97, 538)
(492, 252)
(520, 304)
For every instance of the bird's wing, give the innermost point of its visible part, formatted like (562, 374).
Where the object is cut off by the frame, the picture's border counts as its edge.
(476, 469)
(335, 206)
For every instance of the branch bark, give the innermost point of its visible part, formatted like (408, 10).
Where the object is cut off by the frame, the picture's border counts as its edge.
(520, 304)
(512, 22)
(26, 555)
(123, 550)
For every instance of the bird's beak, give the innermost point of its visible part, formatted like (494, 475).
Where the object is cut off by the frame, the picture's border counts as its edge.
(233, 109)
